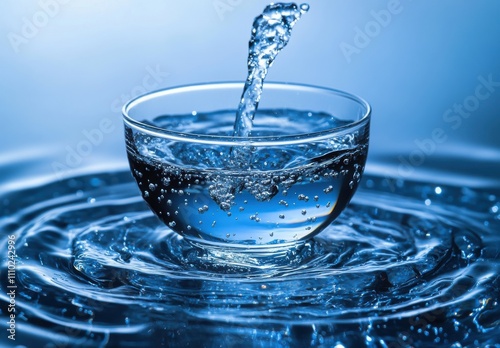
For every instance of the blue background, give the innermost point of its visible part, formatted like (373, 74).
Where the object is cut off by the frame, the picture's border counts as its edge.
(67, 66)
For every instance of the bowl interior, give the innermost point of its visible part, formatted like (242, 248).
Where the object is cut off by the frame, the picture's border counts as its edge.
(285, 109)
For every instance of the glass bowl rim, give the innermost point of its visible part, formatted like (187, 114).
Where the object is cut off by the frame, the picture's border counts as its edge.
(227, 140)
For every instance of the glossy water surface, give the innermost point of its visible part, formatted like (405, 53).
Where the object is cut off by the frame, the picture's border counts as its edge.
(405, 265)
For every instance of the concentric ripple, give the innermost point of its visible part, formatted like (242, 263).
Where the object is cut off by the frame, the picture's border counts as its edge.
(407, 264)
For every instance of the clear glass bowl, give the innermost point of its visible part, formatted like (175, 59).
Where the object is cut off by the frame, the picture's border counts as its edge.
(283, 184)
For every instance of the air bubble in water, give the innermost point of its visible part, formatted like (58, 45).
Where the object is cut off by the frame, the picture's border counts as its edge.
(282, 202)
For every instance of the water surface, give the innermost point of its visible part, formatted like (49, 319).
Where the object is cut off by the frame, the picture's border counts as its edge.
(409, 264)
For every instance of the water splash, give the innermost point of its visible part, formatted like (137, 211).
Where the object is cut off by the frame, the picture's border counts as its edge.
(270, 34)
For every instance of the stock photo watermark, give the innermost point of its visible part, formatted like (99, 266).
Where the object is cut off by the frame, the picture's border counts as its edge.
(85, 147)
(364, 35)
(11, 287)
(32, 25)
(221, 7)
(93, 138)
(454, 118)
(152, 80)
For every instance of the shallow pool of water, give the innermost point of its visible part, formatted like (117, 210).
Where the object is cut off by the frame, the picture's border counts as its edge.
(406, 265)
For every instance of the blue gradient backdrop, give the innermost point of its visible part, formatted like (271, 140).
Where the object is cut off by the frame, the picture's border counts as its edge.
(67, 66)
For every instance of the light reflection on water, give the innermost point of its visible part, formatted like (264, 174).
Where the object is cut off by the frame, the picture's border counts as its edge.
(417, 266)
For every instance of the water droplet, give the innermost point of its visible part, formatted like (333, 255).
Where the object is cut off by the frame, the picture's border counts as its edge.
(438, 190)
(146, 194)
(152, 187)
(172, 223)
(303, 212)
(281, 216)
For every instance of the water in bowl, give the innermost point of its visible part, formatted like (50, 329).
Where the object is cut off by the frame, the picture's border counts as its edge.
(281, 194)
